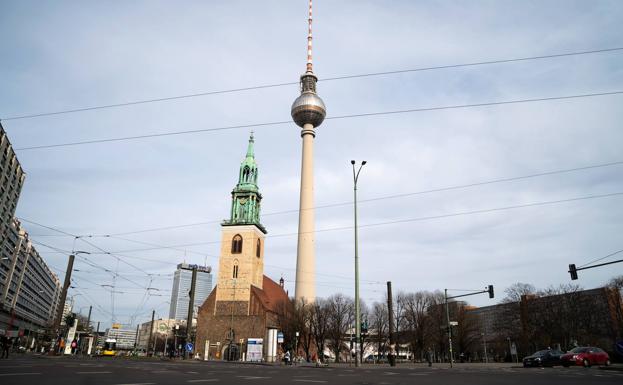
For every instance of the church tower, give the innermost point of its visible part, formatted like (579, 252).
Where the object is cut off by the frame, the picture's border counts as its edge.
(241, 263)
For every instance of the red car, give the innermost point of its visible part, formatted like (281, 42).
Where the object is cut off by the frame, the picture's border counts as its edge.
(585, 356)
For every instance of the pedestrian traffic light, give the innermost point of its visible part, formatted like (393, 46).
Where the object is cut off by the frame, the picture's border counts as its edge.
(490, 290)
(573, 271)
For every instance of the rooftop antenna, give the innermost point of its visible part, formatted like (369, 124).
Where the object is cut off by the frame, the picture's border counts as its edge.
(309, 41)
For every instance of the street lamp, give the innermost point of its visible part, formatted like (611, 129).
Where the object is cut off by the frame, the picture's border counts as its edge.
(357, 309)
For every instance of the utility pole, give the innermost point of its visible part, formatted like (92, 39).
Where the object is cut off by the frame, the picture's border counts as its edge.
(88, 328)
(151, 330)
(61, 301)
(97, 334)
(136, 337)
(449, 327)
(392, 336)
(191, 306)
(89, 318)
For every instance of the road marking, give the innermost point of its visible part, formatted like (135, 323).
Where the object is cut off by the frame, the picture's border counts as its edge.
(192, 372)
(140, 383)
(93, 372)
(19, 374)
(252, 377)
(309, 380)
(205, 380)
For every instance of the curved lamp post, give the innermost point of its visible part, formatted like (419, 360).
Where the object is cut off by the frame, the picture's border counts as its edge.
(357, 309)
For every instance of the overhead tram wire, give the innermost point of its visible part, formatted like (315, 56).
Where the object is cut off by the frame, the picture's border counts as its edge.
(426, 218)
(384, 197)
(349, 116)
(417, 219)
(602, 258)
(334, 78)
(80, 256)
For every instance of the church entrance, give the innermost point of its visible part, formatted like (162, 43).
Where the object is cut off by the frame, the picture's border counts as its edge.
(231, 352)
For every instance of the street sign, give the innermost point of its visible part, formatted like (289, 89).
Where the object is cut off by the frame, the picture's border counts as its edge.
(189, 347)
(280, 338)
(454, 323)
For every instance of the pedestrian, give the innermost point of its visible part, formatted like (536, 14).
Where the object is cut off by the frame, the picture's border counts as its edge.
(287, 357)
(429, 357)
(74, 346)
(6, 344)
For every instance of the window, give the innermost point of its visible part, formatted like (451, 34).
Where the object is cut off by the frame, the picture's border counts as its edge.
(236, 244)
(235, 272)
(258, 249)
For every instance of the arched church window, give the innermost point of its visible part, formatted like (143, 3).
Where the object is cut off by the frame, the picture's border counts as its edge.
(258, 248)
(235, 272)
(236, 244)
(245, 174)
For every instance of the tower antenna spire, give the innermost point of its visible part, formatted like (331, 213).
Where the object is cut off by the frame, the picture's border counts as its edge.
(309, 41)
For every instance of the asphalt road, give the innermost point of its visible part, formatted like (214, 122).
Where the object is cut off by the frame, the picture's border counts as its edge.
(106, 371)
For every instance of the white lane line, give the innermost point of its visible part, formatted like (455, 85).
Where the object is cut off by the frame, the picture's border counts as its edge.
(140, 383)
(310, 381)
(205, 380)
(93, 372)
(252, 377)
(19, 374)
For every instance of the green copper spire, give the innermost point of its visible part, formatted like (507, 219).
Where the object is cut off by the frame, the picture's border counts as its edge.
(246, 198)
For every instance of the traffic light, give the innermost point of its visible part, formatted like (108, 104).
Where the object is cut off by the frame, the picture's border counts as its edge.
(573, 271)
(490, 290)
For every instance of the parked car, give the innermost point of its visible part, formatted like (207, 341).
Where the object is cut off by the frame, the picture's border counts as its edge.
(543, 358)
(585, 356)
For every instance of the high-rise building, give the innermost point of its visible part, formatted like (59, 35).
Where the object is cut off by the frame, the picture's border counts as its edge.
(308, 112)
(181, 288)
(11, 182)
(29, 290)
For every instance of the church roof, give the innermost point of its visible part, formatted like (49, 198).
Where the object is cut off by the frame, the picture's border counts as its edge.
(271, 294)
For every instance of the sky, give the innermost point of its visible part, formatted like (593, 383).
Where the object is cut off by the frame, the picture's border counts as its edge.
(67, 55)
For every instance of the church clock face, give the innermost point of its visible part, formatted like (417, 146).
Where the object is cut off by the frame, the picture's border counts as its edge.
(243, 201)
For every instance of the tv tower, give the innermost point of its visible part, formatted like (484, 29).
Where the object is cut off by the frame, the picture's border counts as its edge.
(308, 112)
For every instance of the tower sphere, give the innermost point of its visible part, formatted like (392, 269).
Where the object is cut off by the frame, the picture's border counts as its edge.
(308, 108)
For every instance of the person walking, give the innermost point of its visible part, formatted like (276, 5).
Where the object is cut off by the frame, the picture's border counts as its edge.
(6, 344)
(429, 357)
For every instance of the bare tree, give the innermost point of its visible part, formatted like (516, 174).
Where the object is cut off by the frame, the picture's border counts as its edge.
(340, 320)
(515, 291)
(319, 324)
(414, 307)
(379, 325)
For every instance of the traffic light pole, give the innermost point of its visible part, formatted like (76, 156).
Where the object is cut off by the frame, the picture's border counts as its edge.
(574, 270)
(491, 295)
(449, 326)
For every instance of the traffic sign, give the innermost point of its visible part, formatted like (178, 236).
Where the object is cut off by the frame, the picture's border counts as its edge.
(280, 338)
(189, 347)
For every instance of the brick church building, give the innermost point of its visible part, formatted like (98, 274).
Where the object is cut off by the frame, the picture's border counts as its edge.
(242, 308)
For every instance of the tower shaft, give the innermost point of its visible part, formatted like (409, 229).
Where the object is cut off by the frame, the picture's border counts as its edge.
(305, 287)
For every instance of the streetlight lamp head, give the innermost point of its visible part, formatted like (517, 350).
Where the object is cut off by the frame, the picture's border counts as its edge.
(364, 162)
(352, 162)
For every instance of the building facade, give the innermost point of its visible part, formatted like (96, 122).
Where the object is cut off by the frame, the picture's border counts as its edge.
(181, 287)
(242, 309)
(11, 181)
(584, 317)
(29, 289)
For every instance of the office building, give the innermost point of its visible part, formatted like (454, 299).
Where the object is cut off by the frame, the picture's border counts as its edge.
(29, 290)
(181, 287)
(11, 182)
